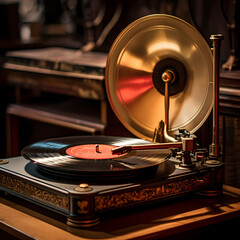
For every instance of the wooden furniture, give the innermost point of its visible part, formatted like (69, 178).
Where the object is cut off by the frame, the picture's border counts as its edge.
(87, 116)
(193, 217)
(230, 124)
(230, 93)
(82, 120)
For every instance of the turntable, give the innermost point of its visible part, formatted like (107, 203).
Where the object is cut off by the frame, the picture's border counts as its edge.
(162, 83)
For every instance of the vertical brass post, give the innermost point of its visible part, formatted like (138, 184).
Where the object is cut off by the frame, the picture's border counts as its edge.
(168, 77)
(215, 148)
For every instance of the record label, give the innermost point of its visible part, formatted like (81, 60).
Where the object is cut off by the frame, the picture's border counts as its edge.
(93, 151)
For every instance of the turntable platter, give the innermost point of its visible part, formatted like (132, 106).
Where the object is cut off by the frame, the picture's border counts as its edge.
(138, 57)
(89, 156)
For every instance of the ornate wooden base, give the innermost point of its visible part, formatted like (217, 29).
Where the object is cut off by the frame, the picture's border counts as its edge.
(83, 209)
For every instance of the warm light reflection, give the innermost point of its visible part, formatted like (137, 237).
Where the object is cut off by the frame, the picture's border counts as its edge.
(163, 46)
(54, 160)
(134, 62)
(133, 141)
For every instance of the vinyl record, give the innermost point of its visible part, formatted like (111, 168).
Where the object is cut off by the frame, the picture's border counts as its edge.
(88, 156)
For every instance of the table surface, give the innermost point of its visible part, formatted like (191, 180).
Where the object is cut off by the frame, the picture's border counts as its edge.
(165, 219)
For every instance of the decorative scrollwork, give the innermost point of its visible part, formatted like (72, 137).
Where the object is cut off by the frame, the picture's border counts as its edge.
(28, 190)
(151, 193)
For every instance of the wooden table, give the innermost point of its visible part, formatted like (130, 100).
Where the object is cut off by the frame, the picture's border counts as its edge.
(192, 217)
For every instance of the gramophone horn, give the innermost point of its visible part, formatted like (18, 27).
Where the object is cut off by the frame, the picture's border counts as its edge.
(142, 53)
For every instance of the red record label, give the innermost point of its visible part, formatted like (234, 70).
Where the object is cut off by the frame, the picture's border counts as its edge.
(92, 151)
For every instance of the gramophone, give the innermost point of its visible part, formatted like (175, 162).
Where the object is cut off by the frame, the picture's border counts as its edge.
(162, 83)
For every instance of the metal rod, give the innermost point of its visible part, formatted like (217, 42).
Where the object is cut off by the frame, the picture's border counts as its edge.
(168, 77)
(166, 103)
(215, 149)
(123, 149)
